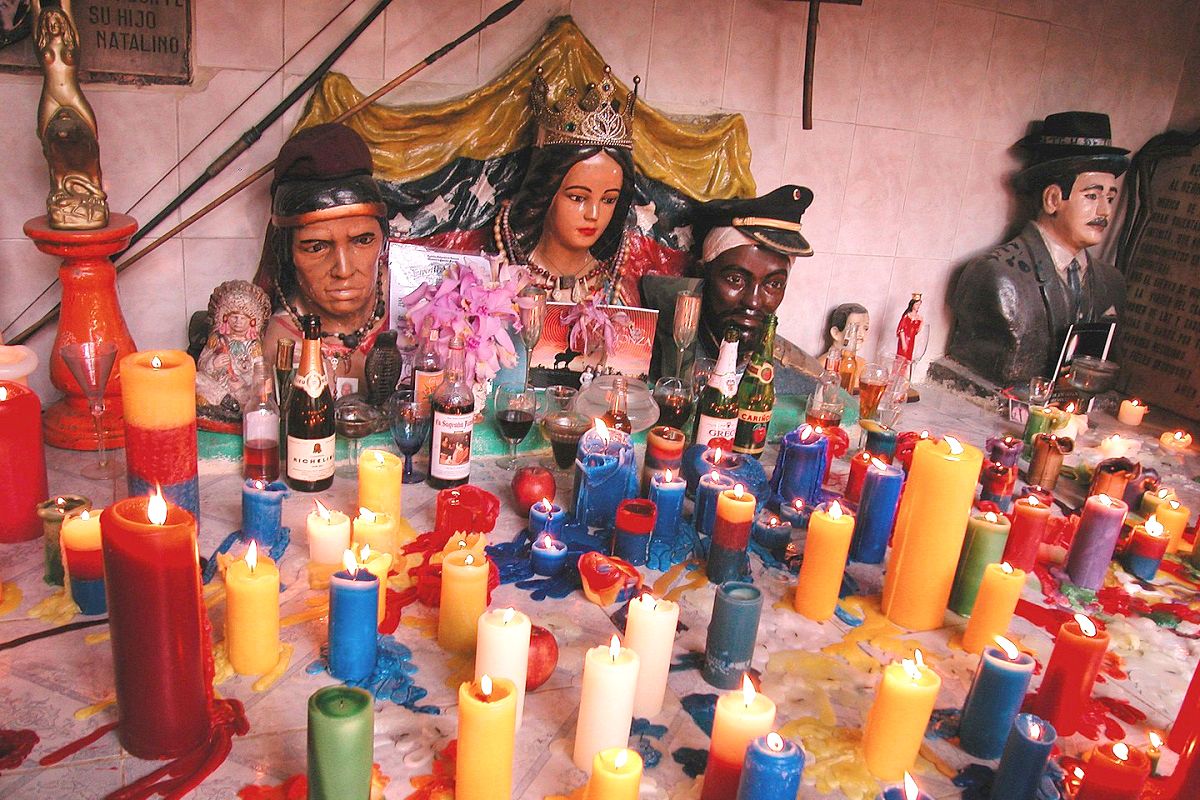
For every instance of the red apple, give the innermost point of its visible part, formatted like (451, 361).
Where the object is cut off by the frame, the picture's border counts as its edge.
(543, 657)
(530, 485)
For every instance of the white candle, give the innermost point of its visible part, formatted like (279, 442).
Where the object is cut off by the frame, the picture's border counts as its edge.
(650, 632)
(502, 649)
(1115, 446)
(606, 705)
(1075, 426)
(1175, 441)
(328, 535)
(1131, 412)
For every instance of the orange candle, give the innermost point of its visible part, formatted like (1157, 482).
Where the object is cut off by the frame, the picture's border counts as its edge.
(824, 562)
(741, 717)
(1174, 517)
(1115, 771)
(999, 592)
(463, 599)
(487, 725)
(616, 775)
(897, 720)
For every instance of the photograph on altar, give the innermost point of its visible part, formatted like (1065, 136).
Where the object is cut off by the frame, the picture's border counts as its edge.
(583, 340)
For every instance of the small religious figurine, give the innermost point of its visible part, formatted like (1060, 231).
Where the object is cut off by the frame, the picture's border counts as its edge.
(908, 327)
(846, 318)
(1012, 306)
(66, 124)
(238, 311)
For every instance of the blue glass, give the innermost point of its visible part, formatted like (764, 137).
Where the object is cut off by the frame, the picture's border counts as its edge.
(770, 774)
(410, 428)
(732, 634)
(353, 619)
(1023, 763)
(993, 702)
(877, 506)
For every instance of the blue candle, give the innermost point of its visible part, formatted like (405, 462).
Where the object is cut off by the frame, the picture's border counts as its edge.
(631, 530)
(548, 555)
(770, 531)
(876, 512)
(794, 513)
(605, 474)
(801, 466)
(262, 511)
(1023, 763)
(909, 791)
(772, 769)
(546, 517)
(353, 610)
(731, 634)
(89, 595)
(881, 440)
(994, 699)
(666, 492)
(710, 486)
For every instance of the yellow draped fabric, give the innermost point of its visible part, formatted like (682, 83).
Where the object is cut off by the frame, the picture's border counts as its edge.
(705, 158)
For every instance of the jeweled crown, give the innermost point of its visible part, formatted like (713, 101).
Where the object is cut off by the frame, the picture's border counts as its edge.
(595, 118)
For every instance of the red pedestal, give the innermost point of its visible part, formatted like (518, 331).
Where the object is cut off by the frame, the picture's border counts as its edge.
(90, 312)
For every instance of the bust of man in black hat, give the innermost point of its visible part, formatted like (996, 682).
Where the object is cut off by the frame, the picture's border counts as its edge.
(1013, 305)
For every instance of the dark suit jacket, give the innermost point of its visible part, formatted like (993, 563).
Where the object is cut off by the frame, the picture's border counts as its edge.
(1011, 310)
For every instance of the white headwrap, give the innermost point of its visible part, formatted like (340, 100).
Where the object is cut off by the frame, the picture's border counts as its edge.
(721, 239)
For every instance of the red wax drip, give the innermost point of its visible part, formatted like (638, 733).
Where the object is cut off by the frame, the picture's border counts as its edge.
(427, 577)
(294, 788)
(1101, 716)
(1049, 619)
(15, 746)
(77, 745)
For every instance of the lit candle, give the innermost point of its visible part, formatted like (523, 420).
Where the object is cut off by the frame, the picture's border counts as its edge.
(1112, 475)
(1116, 446)
(341, 736)
(710, 486)
(487, 721)
(880, 439)
(377, 529)
(22, 463)
(380, 479)
(1047, 460)
(1145, 550)
(1030, 518)
(83, 560)
(353, 620)
(994, 699)
(605, 474)
(1153, 498)
(772, 769)
(328, 534)
(794, 513)
(825, 553)
(896, 723)
(548, 555)
(730, 535)
(1066, 688)
(252, 613)
(741, 716)
(1076, 424)
(770, 532)
(1154, 745)
(1042, 419)
(876, 512)
(262, 511)
(546, 517)
(52, 512)
(502, 649)
(907, 791)
(930, 527)
(1094, 543)
(732, 633)
(632, 527)
(664, 450)
(1115, 771)
(1175, 442)
(378, 564)
(465, 508)
(1174, 517)
(1132, 412)
(606, 702)
(1026, 753)
(463, 599)
(650, 632)
(666, 492)
(800, 468)
(992, 613)
(858, 474)
(616, 775)
(997, 482)
(987, 534)
(1004, 450)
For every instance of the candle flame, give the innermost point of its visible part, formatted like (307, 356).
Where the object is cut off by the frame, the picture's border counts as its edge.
(1079, 773)
(835, 510)
(469, 560)
(738, 491)
(1086, 626)
(365, 553)
(1033, 501)
(990, 516)
(714, 475)
(85, 515)
(156, 508)
(379, 457)
(509, 614)
(601, 429)
(1006, 568)
(646, 597)
(366, 515)
(1104, 499)
(547, 542)
(798, 504)
(1035, 729)
(1008, 647)
(621, 758)
(956, 447)
(667, 478)
(321, 510)
(1155, 740)
(773, 521)
(774, 742)
(546, 506)
(252, 555)
(1153, 526)
(806, 431)
(1121, 751)
(614, 647)
(877, 464)
(910, 667)
(259, 485)
(1179, 436)
(919, 658)
(1070, 409)
(1163, 493)
(485, 685)
(1173, 505)
(748, 692)
(911, 790)
(3, 392)
(156, 362)
(349, 563)
(1135, 402)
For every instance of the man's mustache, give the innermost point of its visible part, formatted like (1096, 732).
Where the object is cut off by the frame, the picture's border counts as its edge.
(1100, 222)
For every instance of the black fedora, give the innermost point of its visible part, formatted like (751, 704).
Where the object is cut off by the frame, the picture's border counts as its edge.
(1071, 142)
(772, 220)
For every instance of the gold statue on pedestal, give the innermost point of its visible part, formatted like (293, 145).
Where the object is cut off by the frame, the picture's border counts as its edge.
(66, 124)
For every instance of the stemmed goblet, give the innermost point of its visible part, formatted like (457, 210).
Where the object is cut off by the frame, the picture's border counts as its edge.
(410, 428)
(516, 406)
(91, 363)
(687, 319)
(532, 310)
(675, 402)
(353, 418)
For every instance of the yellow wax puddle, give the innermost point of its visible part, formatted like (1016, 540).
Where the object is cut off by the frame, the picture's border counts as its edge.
(318, 575)
(876, 631)
(98, 637)
(403, 565)
(87, 712)
(578, 794)
(426, 625)
(405, 532)
(805, 680)
(270, 678)
(10, 597)
(836, 764)
(57, 609)
(222, 669)
(695, 580)
(304, 616)
(956, 642)
(460, 669)
(938, 763)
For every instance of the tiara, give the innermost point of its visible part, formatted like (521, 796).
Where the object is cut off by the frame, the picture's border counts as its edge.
(595, 118)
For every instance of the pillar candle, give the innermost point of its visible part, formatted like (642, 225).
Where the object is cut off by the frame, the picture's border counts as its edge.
(380, 480)
(896, 722)
(465, 542)
(606, 703)
(1075, 425)
(252, 613)
(995, 603)
(1175, 442)
(1112, 476)
(52, 512)
(546, 517)
(880, 439)
(1004, 450)
(378, 564)
(1115, 771)
(664, 450)
(794, 513)
(930, 527)
(377, 529)
(650, 632)
(1145, 550)
(616, 775)
(353, 622)
(772, 769)
(876, 512)
(1132, 412)
(262, 511)
(463, 599)
(1153, 498)
(858, 474)
(1047, 459)
(1023, 762)
(1187, 722)
(632, 527)
(994, 699)
(341, 743)
(667, 489)
(605, 474)
(1174, 517)
(1030, 518)
(328, 534)
(1066, 688)
(741, 716)
(502, 650)
(710, 486)
(548, 555)
(997, 482)
(1094, 543)
(487, 716)
(17, 363)
(158, 392)
(1116, 446)
(1042, 419)
(84, 561)
(732, 633)
(987, 534)
(825, 553)
(800, 468)
(158, 627)
(771, 532)
(730, 534)
(22, 463)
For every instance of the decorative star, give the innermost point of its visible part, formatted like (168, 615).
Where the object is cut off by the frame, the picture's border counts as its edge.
(400, 225)
(483, 190)
(683, 236)
(647, 216)
(440, 209)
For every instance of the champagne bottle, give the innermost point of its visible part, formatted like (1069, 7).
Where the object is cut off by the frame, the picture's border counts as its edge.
(453, 406)
(427, 371)
(617, 416)
(718, 409)
(310, 435)
(756, 395)
(850, 365)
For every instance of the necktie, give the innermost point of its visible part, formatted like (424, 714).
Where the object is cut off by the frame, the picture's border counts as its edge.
(1074, 286)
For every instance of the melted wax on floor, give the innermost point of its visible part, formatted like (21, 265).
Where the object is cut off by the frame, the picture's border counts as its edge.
(15, 747)
(392, 678)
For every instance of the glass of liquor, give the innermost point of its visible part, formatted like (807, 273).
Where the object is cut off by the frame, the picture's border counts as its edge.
(675, 402)
(872, 383)
(687, 319)
(407, 342)
(559, 398)
(91, 364)
(410, 427)
(702, 369)
(353, 419)
(824, 412)
(516, 405)
(564, 429)
(260, 430)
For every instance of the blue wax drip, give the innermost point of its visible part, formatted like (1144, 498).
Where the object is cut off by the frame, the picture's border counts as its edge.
(943, 723)
(702, 708)
(692, 759)
(976, 781)
(276, 551)
(666, 552)
(688, 661)
(651, 755)
(847, 617)
(645, 730)
(392, 678)
(768, 555)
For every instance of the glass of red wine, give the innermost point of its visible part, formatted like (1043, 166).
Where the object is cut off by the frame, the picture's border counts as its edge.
(516, 406)
(675, 402)
(410, 428)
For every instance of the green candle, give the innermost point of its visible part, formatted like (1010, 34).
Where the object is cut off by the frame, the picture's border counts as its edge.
(52, 512)
(341, 733)
(987, 534)
(1042, 419)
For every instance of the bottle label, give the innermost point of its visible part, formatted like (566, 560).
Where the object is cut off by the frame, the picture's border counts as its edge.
(310, 459)
(715, 428)
(426, 383)
(450, 454)
(312, 383)
(751, 437)
(764, 372)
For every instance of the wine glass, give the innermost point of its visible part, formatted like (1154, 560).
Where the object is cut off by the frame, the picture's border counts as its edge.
(872, 383)
(354, 419)
(516, 405)
(702, 369)
(91, 363)
(675, 402)
(1040, 388)
(532, 310)
(559, 398)
(410, 427)
(563, 429)
(687, 318)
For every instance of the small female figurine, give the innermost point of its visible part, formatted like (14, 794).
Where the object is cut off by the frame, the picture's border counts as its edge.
(239, 311)
(908, 328)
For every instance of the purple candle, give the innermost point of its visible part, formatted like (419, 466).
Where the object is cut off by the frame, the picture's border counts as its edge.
(1095, 540)
(1005, 450)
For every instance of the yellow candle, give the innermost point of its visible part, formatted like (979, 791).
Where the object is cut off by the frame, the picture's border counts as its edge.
(650, 632)
(1176, 442)
(328, 535)
(379, 565)
(930, 526)
(616, 775)
(502, 649)
(825, 554)
(606, 701)
(380, 476)
(252, 613)
(1174, 517)
(81, 531)
(467, 543)
(464, 598)
(897, 719)
(1131, 412)
(999, 592)
(487, 723)
(741, 717)
(377, 529)
(158, 389)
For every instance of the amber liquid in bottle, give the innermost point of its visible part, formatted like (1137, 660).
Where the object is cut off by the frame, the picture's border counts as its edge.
(453, 423)
(617, 416)
(310, 434)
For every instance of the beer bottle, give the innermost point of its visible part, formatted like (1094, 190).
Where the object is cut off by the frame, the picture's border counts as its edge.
(718, 408)
(756, 395)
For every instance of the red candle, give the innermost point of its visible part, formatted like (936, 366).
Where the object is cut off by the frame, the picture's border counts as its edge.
(159, 627)
(22, 463)
(1115, 771)
(858, 474)
(465, 508)
(1030, 517)
(1187, 723)
(1066, 688)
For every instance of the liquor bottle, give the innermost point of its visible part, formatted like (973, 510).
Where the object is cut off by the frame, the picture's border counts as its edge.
(850, 364)
(826, 406)
(427, 370)
(718, 408)
(310, 434)
(453, 406)
(756, 395)
(617, 416)
(260, 429)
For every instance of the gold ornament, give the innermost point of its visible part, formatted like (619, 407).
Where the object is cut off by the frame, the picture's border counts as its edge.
(594, 119)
